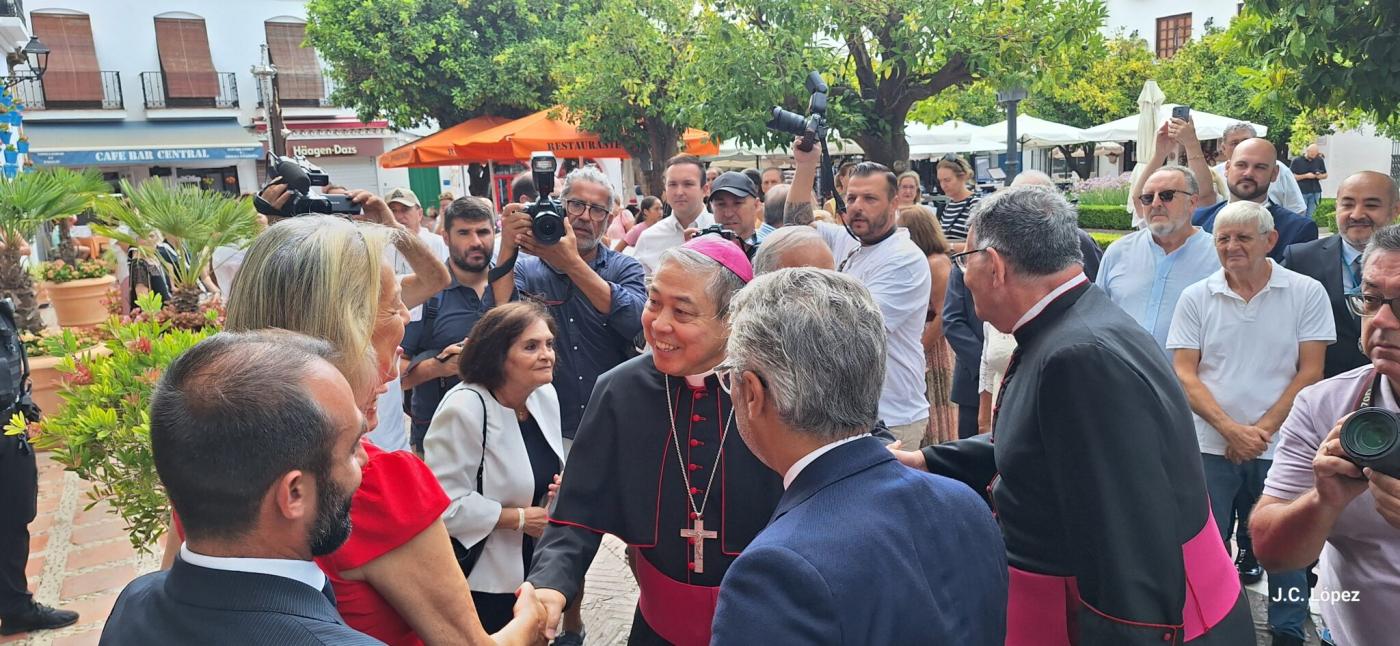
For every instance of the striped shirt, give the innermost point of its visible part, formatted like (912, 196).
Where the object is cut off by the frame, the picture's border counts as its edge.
(954, 217)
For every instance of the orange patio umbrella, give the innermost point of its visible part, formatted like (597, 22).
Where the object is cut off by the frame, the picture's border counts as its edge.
(440, 148)
(699, 143)
(540, 132)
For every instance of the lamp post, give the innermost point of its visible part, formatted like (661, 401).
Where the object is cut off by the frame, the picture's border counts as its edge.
(35, 55)
(1009, 98)
(265, 72)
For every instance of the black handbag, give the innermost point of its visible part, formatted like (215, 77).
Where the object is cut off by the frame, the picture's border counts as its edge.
(468, 556)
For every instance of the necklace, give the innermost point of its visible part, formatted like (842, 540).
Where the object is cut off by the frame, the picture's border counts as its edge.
(697, 532)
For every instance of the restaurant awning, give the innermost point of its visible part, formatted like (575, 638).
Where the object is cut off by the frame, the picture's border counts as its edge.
(438, 148)
(139, 143)
(1208, 126)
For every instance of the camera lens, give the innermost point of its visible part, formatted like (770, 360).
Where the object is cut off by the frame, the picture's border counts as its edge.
(1371, 433)
(789, 122)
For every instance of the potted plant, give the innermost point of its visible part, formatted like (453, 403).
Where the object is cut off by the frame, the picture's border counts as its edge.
(77, 291)
(102, 432)
(5, 133)
(194, 222)
(11, 154)
(47, 349)
(22, 144)
(26, 201)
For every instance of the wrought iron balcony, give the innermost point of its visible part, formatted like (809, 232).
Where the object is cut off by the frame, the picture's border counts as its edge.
(12, 9)
(220, 90)
(327, 86)
(36, 93)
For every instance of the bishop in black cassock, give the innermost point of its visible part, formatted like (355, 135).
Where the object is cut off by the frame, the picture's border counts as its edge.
(658, 462)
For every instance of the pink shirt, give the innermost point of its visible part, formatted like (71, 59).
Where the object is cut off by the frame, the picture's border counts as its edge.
(1361, 558)
(636, 233)
(621, 225)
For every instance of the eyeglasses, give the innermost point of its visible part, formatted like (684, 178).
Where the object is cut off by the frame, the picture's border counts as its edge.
(960, 259)
(576, 208)
(724, 372)
(1167, 196)
(1369, 305)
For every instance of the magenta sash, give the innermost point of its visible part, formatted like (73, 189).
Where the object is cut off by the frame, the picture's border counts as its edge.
(681, 613)
(1041, 608)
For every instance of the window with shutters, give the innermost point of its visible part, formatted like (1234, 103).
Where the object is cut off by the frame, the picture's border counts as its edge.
(299, 80)
(185, 64)
(1172, 33)
(73, 75)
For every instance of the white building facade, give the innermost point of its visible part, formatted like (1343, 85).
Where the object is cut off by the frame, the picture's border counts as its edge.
(1166, 25)
(164, 88)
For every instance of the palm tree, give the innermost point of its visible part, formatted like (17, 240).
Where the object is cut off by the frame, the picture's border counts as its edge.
(26, 201)
(193, 221)
(88, 182)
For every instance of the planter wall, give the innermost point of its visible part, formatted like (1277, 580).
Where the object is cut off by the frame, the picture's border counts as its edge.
(44, 374)
(79, 303)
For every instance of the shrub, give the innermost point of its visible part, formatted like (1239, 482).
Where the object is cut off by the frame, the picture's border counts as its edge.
(1105, 216)
(58, 271)
(104, 430)
(1103, 190)
(1326, 214)
(60, 343)
(1105, 239)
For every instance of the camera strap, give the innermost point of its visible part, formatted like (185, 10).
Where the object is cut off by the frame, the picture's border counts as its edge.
(1371, 394)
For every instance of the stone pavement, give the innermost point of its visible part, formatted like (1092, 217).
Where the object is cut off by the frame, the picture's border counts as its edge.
(80, 559)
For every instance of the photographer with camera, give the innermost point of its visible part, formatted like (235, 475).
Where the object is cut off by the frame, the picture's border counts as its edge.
(735, 201)
(1318, 499)
(871, 249)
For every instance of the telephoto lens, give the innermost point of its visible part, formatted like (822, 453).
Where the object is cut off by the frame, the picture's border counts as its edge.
(1371, 438)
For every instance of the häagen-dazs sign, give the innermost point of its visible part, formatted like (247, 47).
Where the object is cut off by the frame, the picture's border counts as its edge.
(317, 148)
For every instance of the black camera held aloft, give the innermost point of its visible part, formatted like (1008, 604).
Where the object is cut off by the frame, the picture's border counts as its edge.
(812, 130)
(546, 213)
(300, 176)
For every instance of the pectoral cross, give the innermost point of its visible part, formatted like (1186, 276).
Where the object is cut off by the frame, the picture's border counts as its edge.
(697, 536)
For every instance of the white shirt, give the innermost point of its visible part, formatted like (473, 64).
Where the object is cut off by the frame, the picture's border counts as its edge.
(391, 433)
(897, 275)
(226, 262)
(801, 464)
(996, 358)
(296, 570)
(1249, 351)
(1283, 191)
(435, 244)
(663, 235)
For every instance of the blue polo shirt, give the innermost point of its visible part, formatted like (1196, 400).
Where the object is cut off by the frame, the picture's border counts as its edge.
(1146, 282)
(458, 309)
(588, 342)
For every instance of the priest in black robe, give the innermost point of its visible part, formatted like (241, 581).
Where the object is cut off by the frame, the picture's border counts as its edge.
(1092, 465)
(658, 461)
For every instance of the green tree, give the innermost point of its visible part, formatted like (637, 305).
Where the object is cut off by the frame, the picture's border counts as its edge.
(618, 78)
(881, 58)
(446, 60)
(1342, 54)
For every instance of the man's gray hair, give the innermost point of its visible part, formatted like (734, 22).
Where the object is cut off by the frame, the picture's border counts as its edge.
(721, 283)
(774, 203)
(1032, 227)
(1191, 183)
(1033, 178)
(1239, 127)
(591, 175)
(818, 340)
(770, 253)
(1246, 213)
(1385, 239)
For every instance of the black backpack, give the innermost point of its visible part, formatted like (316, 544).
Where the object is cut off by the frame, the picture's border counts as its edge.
(14, 368)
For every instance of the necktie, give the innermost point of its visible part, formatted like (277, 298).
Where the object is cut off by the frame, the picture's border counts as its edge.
(1356, 273)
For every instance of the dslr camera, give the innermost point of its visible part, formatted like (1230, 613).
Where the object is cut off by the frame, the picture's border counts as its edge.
(546, 213)
(1371, 438)
(811, 128)
(303, 180)
(718, 230)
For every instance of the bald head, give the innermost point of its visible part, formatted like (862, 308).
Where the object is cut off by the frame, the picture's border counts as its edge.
(1033, 178)
(1366, 201)
(1253, 166)
(1313, 151)
(795, 246)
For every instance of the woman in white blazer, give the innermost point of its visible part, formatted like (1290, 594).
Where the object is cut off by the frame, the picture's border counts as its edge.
(507, 365)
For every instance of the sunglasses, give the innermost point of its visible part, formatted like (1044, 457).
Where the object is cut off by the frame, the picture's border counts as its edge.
(1167, 196)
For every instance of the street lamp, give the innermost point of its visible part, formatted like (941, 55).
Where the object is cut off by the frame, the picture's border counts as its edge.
(1009, 98)
(265, 72)
(34, 54)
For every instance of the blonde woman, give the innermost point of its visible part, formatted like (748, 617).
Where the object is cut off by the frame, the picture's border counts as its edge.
(396, 578)
(955, 178)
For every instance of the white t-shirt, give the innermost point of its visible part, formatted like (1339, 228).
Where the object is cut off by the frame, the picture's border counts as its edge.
(226, 262)
(435, 244)
(897, 274)
(1249, 351)
(391, 434)
(663, 235)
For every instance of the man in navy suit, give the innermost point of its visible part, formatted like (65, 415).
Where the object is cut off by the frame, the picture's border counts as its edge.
(859, 550)
(1252, 167)
(256, 438)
